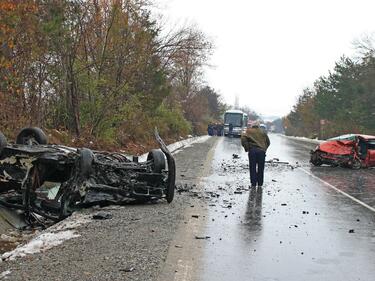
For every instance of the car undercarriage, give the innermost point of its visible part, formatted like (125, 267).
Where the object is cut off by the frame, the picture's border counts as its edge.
(30, 169)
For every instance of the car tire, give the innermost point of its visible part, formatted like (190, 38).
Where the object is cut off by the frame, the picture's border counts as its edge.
(158, 160)
(3, 141)
(171, 180)
(31, 135)
(315, 160)
(85, 162)
(356, 165)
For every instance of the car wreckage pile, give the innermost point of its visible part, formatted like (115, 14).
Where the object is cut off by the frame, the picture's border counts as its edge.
(82, 177)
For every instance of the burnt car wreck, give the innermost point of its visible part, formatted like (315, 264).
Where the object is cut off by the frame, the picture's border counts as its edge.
(81, 177)
(352, 151)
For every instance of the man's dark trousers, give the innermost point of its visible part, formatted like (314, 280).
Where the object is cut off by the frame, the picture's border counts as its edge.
(257, 158)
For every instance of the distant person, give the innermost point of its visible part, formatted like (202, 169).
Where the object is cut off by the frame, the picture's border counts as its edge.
(209, 129)
(221, 129)
(230, 129)
(214, 130)
(256, 142)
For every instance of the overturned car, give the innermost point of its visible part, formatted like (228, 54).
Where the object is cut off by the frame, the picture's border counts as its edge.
(30, 169)
(353, 151)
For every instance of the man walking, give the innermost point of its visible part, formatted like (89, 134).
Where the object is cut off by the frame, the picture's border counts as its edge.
(255, 141)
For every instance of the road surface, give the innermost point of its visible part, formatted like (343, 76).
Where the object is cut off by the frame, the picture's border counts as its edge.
(306, 223)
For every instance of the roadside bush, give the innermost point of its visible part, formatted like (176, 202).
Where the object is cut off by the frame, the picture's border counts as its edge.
(171, 122)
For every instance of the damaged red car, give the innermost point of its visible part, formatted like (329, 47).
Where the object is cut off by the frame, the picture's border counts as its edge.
(353, 151)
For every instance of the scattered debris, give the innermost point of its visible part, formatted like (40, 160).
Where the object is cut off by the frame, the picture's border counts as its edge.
(351, 230)
(102, 216)
(202, 237)
(128, 269)
(195, 216)
(227, 206)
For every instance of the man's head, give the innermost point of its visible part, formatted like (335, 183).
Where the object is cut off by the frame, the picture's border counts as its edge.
(255, 124)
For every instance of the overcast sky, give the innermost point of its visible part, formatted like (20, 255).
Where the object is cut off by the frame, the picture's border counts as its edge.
(266, 52)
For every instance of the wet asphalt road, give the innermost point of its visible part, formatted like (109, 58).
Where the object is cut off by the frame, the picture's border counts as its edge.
(296, 227)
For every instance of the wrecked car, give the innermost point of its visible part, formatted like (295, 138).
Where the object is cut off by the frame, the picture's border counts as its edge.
(353, 151)
(30, 169)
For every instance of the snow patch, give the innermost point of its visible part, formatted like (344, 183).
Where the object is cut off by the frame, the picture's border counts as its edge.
(304, 139)
(55, 236)
(4, 274)
(40, 243)
(175, 148)
(72, 222)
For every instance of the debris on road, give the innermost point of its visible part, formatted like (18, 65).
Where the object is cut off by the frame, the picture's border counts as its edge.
(128, 269)
(102, 216)
(201, 237)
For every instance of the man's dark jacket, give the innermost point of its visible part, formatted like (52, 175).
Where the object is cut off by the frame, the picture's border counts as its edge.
(255, 137)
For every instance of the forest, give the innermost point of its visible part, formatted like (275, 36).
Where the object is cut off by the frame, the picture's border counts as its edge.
(102, 72)
(341, 102)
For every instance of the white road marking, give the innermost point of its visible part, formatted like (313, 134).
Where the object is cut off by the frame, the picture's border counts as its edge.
(339, 191)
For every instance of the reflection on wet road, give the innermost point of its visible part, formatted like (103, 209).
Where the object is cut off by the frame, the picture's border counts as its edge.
(295, 228)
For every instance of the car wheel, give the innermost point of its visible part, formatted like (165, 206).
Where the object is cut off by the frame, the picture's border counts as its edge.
(171, 179)
(158, 160)
(31, 136)
(356, 165)
(85, 162)
(315, 159)
(3, 141)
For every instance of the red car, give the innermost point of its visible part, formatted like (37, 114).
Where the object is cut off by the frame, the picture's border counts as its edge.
(354, 151)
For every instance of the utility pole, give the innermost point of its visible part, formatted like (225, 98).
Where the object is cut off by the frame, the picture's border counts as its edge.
(236, 102)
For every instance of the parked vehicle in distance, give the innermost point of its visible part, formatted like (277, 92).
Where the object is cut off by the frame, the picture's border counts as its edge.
(235, 122)
(83, 177)
(353, 151)
(263, 127)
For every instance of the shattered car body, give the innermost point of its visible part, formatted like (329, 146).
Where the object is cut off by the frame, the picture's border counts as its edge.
(353, 151)
(83, 177)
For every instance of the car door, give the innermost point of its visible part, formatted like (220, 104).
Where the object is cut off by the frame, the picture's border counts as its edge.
(371, 153)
